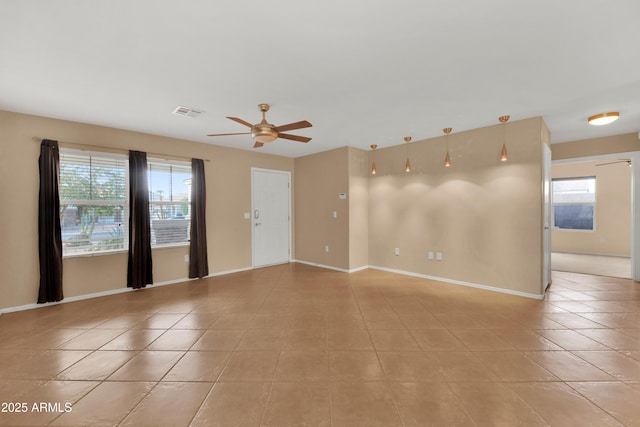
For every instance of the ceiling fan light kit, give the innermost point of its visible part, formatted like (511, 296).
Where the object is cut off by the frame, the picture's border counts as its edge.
(603, 118)
(263, 131)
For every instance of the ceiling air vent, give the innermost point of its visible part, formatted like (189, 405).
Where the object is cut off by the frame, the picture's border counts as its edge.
(188, 112)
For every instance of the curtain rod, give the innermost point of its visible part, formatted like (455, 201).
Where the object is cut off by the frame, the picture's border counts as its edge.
(38, 139)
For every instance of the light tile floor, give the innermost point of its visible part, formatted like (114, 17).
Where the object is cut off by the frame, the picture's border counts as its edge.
(598, 265)
(299, 345)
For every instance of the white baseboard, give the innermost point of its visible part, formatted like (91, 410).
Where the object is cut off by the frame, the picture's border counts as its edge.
(224, 273)
(591, 253)
(65, 300)
(329, 267)
(424, 276)
(459, 282)
(114, 292)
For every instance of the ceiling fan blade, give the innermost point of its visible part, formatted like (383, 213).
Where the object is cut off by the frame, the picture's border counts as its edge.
(294, 137)
(613, 163)
(227, 134)
(292, 126)
(242, 122)
(258, 144)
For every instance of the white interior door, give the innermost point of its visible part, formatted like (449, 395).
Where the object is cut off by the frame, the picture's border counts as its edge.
(270, 217)
(546, 220)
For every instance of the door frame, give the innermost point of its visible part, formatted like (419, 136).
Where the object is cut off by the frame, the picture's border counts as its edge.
(547, 206)
(253, 220)
(635, 200)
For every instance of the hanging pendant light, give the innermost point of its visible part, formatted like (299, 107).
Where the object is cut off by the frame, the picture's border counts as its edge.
(373, 164)
(447, 158)
(407, 165)
(503, 153)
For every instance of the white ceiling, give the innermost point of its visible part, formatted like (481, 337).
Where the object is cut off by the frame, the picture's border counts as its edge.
(362, 71)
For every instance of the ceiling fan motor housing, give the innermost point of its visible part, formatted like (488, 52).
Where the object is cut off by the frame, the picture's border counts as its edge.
(263, 132)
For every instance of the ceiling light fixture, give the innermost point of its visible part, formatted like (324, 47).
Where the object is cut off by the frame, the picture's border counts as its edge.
(373, 165)
(407, 165)
(264, 132)
(447, 158)
(604, 118)
(503, 153)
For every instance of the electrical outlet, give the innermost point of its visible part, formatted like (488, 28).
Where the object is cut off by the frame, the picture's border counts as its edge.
(430, 255)
(186, 258)
(397, 251)
(326, 248)
(438, 256)
(335, 214)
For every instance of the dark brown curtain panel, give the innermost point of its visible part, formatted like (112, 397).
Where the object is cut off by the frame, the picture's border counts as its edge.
(139, 269)
(198, 259)
(49, 231)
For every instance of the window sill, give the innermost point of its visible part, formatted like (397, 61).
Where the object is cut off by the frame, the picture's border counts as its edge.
(94, 254)
(171, 245)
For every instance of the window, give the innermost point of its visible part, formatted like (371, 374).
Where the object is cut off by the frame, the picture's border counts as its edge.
(94, 204)
(574, 202)
(169, 202)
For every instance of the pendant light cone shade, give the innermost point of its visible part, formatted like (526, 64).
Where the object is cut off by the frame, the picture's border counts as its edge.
(503, 152)
(447, 158)
(407, 164)
(373, 164)
(604, 118)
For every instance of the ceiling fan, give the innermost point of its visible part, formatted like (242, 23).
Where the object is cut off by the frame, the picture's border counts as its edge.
(627, 161)
(264, 132)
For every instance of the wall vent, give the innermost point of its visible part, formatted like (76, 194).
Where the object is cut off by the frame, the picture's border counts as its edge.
(188, 112)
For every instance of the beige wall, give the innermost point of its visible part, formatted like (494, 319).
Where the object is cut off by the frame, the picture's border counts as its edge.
(612, 234)
(485, 216)
(319, 179)
(228, 183)
(358, 208)
(596, 147)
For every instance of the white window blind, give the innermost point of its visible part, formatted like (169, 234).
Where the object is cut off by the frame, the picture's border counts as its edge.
(94, 205)
(169, 202)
